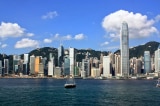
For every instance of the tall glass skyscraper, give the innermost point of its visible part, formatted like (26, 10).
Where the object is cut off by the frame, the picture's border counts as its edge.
(124, 46)
(60, 56)
(147, 62)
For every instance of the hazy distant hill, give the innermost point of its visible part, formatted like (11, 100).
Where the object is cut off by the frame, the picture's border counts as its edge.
(139, 50)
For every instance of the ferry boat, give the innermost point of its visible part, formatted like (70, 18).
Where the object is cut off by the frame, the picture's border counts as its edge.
(70, 83)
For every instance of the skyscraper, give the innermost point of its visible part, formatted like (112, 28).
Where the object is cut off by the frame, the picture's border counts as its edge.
(6, 66)
(147, 62)
(124, 46)
(0, 68)
(25, 64)
(106, 66)
(32, 65)
(157, 59)
(71, 58)
(60, 56)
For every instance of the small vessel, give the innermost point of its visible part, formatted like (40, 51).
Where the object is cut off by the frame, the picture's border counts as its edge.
(158, 83)
(70, 83)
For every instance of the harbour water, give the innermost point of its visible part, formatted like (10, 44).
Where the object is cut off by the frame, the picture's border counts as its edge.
(89, 92)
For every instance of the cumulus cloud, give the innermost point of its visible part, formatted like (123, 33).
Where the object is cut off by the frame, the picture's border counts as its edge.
(50, 15)
(47, 40)
(157, 18)
(26, 42)
(105, 43)
(139, 25)
(12, 30)
(79, 36)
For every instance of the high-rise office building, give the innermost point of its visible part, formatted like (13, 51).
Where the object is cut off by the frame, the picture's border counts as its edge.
(51, 65)
(37, 64)
(60, 56)
(86, 68)
(0, 68)
(72, 58)
(106, 66)
(157, 59)
(147, 62)
(124, 47)
(117, 65)
(16, 63)
(25, 64)
(32, 65)
(6, 66)
(66, 66)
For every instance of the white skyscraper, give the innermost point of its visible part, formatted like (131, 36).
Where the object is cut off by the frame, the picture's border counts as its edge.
(106, 66)
(157, 60)
(124, 46)
(71, 57)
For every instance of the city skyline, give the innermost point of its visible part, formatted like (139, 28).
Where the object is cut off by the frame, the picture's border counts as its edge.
(27, 25)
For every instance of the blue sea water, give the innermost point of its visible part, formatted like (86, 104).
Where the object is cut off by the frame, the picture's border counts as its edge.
(89, 92)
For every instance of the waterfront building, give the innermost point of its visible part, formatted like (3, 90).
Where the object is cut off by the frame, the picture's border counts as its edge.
(25, 64)
(37, 63)
(1, 68)
(147, 62)
(41, 70)
(50, 68)
(157, 59)
(124, 48)
(138, 66)
(57, 72)
(106, 66)
(16, 61)
(6, 66)
(51, 65)
(86, 67)
(95, 72)
(60, 56)
(72, 62)
(32, 65)
(117, 65)
(66, 66)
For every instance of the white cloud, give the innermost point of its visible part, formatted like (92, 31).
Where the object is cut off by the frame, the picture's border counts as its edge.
(58, 37)
(105, 43)
(4, 45)
(10, 30)
(61, 38)
(139, 25)
(157, 18)
(30, 34)
(26, 42)
(79, 36)
(47, 40)
(50, 15)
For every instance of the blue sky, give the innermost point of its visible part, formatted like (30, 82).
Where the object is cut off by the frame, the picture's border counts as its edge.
(28, 24)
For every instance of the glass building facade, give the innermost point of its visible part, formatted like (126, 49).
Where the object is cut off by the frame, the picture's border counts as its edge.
(124, 46)
(147, 62)
(60, 56)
